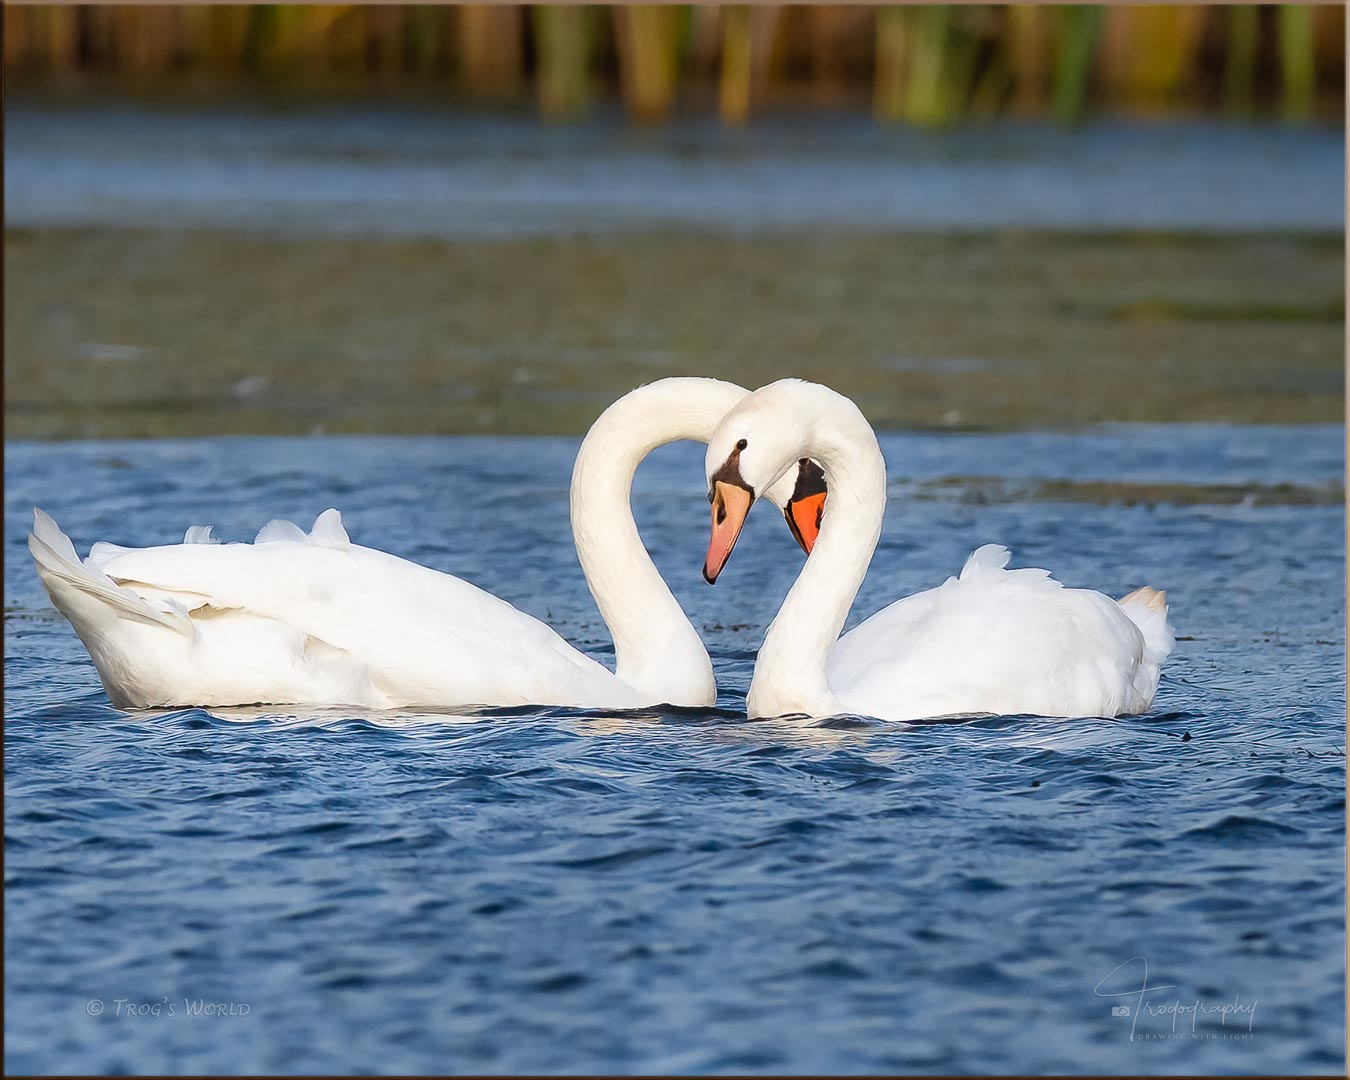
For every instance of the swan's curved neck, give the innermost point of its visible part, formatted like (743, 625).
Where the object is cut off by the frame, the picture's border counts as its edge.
(657, 651)
(790, 673)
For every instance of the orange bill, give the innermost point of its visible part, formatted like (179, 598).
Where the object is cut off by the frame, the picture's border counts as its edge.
(803, 518)
(730, 504)
(807, 505)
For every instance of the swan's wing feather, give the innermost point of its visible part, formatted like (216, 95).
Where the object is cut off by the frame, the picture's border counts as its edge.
(328, 531)
(280, 531)
(426, 637)
(1007, 641)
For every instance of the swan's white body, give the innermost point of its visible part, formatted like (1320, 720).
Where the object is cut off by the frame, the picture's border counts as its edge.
(313, 619)
(989, 641)
(1004, 641)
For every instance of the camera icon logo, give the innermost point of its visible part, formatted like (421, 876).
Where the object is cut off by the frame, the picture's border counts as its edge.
(1120, 1010)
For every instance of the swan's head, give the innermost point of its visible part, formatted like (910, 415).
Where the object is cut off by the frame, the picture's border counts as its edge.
(759, 449)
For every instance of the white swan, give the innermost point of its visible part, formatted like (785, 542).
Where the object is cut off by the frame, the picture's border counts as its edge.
(990, 641)
(313, 619)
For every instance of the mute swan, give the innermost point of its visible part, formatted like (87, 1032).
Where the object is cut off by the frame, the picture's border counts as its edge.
(313, 619)
(991, 640)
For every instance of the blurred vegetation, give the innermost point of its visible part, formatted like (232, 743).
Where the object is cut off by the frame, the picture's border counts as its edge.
(919, 64)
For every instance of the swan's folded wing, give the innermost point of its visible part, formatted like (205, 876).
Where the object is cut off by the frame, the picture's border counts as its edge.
(426, 637)
(1014, 640)
(881, 640)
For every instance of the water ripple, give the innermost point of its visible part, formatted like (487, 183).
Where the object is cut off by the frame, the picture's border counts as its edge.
(667, 890)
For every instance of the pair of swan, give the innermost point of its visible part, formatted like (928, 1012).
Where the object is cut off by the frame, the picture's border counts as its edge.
(312, 619)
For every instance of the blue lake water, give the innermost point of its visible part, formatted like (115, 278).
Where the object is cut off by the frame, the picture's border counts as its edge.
(670, 891)
(428, 172)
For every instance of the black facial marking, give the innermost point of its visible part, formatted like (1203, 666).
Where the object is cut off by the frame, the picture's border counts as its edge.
(810, 480)
(730, 472)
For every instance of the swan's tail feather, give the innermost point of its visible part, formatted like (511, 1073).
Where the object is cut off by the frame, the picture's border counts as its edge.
(1147, 609)
(84, 594)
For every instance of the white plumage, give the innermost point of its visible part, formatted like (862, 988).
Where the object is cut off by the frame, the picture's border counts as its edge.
(1004, 641)
(992, 640)
(304, 618)
(313, 619)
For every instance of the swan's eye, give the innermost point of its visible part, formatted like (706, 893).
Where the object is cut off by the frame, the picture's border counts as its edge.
(742, 445)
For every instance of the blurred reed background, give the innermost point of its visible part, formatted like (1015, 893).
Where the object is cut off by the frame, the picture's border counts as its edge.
(926, 65)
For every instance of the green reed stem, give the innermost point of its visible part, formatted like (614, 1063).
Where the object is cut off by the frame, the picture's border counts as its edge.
(1297, 66)
(1078, 31)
